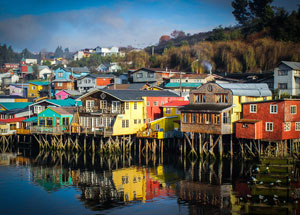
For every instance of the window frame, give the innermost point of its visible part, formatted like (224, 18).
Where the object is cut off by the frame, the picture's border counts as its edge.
(272, 110)
(253, 108)
(269, 125)
(291, 108)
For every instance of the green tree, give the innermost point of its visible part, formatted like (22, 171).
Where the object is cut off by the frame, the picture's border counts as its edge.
(241, 12)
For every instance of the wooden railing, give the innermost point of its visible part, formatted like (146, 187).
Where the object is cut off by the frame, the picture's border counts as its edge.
(23, 131)
(48, 130)
(103, 111)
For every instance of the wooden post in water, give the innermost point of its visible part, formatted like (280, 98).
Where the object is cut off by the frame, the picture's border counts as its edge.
(221, 146)
(211, 142)
(93, 144)
(184, 146)
(84, 144)
(231, 146)
(200, 145)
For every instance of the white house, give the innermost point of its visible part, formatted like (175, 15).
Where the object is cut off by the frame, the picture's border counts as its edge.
(287, 77)
(107, 51)
(78, 55)
(45, 72)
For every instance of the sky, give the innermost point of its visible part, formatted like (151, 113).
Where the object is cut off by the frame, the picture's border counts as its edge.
(78, 24)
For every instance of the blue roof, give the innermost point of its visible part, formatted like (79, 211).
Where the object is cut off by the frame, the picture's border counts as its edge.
(31, 119)
(42, 83)
(65, 102)
(13, 105)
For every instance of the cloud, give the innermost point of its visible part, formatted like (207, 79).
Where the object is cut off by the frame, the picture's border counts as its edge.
(78, 29)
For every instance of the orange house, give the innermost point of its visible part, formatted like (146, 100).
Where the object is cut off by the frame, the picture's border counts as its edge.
(104, 79)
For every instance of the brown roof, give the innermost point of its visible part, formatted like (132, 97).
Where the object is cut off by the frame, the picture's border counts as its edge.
(248, 120)
(64, 110)
(205, 108)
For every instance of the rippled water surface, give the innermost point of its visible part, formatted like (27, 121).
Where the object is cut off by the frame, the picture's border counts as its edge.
(47, 182)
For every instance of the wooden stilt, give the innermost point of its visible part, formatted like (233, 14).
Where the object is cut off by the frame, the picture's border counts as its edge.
(221, 147)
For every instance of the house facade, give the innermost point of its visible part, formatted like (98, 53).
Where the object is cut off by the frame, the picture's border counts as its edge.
(114, 112)
(215, 107)
(18, 90)
(64, 94)
(270, 120)
(287, 77)
(35, 88)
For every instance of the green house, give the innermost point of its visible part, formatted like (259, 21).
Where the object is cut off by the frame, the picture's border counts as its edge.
(56, 117)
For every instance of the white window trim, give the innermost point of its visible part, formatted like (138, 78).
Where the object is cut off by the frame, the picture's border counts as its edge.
(289, 126)
(266, 126)
(296, 126)
(271, 109)
(252, 111)
(295, 109)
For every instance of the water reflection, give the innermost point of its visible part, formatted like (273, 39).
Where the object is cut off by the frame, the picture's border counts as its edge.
(268, 186)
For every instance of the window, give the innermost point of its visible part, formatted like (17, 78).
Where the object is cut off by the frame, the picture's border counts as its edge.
(139, 75)
(199, 98)
(293, 109)
(59, 84)
(155, 103)
(42, 121)
(60, 74)
(217, 119)
(157, 127)
(297, 126)
(273, 108)
(226, 118)
(33, 87)
(178, 111)
(184, 118)
(65, 121)
(103, 104)
(168, 111)
(221, 98)
(148, 103)
(135, 106)
(116, 106)
(31, 94)
(135, 121)
(269, 126)
(200, 118)
(127, 105)
(208, 118)
(38, 108)
(193, 118)
(49, 122)
(282, 86)
(162, 103)
(282, 72)
(125, 123)
(140, 121)
(150, 75)
(90, 104)
(59, 97)
(253, 108)
(287, 126)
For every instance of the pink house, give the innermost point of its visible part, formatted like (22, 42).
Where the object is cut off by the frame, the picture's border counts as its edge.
(64, 94)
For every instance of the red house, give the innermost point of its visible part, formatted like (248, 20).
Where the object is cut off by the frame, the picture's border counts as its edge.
(156, 102)
(270, 120)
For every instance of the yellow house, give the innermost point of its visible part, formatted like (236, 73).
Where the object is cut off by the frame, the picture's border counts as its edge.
(167, 126)
(34, 88)
(132, 182)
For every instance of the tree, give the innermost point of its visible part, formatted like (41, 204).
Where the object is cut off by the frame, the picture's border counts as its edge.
(240, 11)
(177, 34)
(164, 38)
(59, 52)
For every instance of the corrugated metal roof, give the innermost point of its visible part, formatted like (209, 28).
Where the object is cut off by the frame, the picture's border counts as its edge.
(64, 103)
(175, 84)
(41, 83)
(136, 95)
(292, 64)
(238, 89)
(14, 105)
(205, 108)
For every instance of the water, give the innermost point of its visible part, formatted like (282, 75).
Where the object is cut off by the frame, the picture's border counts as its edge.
(37, 182)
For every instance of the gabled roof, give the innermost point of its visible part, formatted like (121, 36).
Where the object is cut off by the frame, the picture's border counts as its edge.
(40, 83)
(61, 103)
(241, 89)
(292, 64)
(71, 92)
(206, 108)
(14, 105)
(176, 103)
(133, 95)
(62, 111)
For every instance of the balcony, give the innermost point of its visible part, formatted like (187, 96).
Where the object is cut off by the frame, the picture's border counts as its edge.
(97, 110)
(49, 130)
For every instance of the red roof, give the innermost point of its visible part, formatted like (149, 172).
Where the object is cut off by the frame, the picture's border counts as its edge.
(176, 103)
(19, 119)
